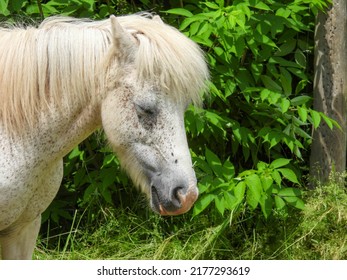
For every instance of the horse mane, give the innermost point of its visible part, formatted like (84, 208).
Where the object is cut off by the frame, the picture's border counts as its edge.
(61, 64)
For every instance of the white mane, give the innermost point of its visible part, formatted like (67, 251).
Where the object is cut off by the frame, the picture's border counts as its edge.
(62, 63)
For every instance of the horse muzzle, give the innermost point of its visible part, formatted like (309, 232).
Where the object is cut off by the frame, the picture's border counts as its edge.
(173, 199)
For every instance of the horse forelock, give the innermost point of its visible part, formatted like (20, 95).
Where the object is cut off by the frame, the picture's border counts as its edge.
(58, 64)
(169, 58)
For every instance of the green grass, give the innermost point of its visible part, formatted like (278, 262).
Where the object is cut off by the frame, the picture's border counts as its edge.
(318, 232)
(128, 236)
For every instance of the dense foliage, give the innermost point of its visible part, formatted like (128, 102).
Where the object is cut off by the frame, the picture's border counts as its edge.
(251, 140)
(259, 118)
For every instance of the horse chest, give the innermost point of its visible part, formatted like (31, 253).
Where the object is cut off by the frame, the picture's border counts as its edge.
(28, 183)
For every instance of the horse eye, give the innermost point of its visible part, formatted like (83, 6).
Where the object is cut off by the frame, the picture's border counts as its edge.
(143, 110)
(147, 115)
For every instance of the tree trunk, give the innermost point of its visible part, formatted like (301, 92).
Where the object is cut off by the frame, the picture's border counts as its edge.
(328, 151)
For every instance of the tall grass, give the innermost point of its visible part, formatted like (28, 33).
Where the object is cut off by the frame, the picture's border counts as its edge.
(318, 232)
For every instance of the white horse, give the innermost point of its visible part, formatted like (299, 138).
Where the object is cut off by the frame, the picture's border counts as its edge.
(134, 76)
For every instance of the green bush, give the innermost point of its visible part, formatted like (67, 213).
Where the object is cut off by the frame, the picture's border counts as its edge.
(39, 9)
(258, 119)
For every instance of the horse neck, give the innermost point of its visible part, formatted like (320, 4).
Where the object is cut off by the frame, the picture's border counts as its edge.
(58, 132)
(61, 133)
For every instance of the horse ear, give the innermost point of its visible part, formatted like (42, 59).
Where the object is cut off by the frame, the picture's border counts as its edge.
(157, 19)
(120, 38)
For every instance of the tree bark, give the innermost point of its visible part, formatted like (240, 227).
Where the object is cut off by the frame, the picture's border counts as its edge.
(328, 151)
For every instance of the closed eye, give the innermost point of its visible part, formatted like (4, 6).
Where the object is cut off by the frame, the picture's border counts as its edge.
(142, 110)
(147, 115)
(145, 110)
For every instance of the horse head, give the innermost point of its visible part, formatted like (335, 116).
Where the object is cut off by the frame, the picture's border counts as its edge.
(149, 86)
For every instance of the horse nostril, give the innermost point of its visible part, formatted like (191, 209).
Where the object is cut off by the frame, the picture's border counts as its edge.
(175, 197)
(170, 202)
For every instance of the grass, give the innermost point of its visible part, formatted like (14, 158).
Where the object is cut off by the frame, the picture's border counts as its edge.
(128, 236)
(318, 232)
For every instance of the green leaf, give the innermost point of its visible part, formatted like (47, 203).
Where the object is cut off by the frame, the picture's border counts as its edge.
(257, 69)
(286, 81)
(205, 30)
(288, 174)
(301, 133)
(79, 177)
(254, 190)
(108, 159)
(291, 196)
(203, 165)
(302, 111)
(108, 176)
(295, 202)
(277, 177)
(180, 12)
(32, 9)
(202, 203)
(286, 48)
(240, 19)
(263, 39)
(266, 182)
(219, 201)
(298, 72)
(264, 94)
(106, 194)
(290, 192)
(283, 62)
(188, 21)
(266, 203)
(300, 100)
(285, 103)
(204, 187)
(215, 91)
(330, 122)
(15, 5)
(214, 162)
(75, 152)
(279, 162)
(3, 7)
(316, 118)
(194, 28)
(212, 5)
(300, 58)
(270, 84)
(327, 121)
(231, 202)
(220, 3)
(262, 6)
(215, 119)
(273, 137)
(90, 190)
(228, 170)
(261, 166)
(239, 191)
(279, 202)
(245, 9)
